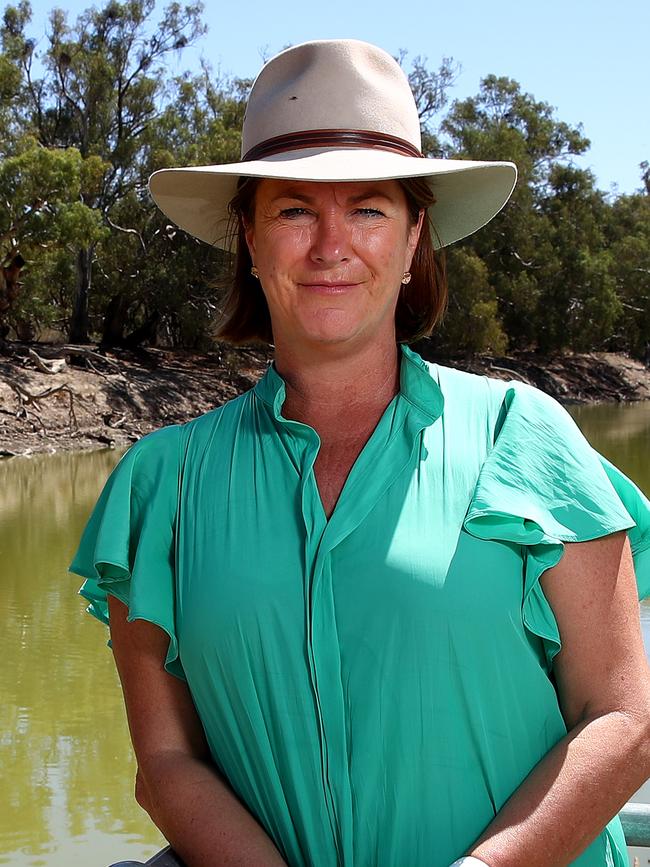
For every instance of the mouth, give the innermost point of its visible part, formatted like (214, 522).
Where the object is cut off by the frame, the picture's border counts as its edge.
(329, 287)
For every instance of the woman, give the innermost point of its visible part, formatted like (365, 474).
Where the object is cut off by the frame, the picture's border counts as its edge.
(384, 653)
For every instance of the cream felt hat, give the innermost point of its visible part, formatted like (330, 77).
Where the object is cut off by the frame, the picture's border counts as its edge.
(334, 110)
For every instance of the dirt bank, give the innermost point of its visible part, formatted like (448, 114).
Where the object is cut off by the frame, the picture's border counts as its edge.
(111, 399)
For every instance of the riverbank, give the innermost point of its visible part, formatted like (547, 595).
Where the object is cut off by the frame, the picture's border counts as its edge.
(75, 397)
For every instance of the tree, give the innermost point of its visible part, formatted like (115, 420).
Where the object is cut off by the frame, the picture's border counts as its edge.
(431, 93)
(471, 324)
(15, 53)
(85, 121)
(578, 304)
(99, 92)
(520, 246)
(43, 217)
(170, 282)
(628, 235)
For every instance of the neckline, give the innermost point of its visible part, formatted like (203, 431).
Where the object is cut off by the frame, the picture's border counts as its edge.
(417, 386)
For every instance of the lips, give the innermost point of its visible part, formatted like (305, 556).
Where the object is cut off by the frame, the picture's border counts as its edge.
(329, 287)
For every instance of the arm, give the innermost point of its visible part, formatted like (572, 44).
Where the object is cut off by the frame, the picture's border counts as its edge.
(603, 685)
(176, 783)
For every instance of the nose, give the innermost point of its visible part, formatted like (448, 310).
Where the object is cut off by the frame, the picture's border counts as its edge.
(330, 242)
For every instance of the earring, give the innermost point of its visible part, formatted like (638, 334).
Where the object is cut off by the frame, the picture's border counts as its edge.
(406, 277)
(256, 273)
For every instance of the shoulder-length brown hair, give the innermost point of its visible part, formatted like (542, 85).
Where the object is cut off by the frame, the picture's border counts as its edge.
(244, 314)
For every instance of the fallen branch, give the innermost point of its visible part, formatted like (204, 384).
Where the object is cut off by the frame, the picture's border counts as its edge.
(56, 366)
(84, 352)
(514, 373)
(117, 423)
(27, 398)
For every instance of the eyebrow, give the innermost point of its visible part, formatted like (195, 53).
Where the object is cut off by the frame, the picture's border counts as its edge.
(353, 200)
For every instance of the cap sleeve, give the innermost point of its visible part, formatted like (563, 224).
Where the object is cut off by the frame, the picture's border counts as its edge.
(127, 548)
(542, 485)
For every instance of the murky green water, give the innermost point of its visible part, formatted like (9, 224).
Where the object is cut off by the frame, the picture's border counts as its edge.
(67, 767)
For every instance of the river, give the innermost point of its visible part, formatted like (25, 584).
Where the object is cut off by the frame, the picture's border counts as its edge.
(66, 761)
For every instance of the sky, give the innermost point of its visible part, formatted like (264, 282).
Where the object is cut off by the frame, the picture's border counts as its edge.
(587, 58)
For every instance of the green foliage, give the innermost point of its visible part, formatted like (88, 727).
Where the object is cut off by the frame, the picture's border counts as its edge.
(472, 323)
(99, 88)
(578, 301)
(42, 215)
(628, 233)
(201, 123)
(546, 254)
(15, 53)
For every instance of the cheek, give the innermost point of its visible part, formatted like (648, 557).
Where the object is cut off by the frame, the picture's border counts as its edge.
(383, 252)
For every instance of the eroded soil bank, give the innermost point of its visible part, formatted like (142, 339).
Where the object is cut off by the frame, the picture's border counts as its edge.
(108, 399)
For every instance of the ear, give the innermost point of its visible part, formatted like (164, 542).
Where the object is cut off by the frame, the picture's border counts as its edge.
(413, 238)
(249, 234)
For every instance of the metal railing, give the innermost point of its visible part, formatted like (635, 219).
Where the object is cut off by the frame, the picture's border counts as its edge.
(635, 819)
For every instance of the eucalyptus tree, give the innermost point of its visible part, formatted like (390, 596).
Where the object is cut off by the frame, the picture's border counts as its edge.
(96, 87)
(43, 216)
(628, 235)
(503, 122)
(172, 277)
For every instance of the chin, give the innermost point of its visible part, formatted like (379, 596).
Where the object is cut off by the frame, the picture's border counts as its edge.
(334, 330)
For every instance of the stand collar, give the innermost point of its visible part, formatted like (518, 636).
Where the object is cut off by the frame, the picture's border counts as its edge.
(417, 386)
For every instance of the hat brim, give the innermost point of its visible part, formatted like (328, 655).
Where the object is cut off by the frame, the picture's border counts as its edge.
(468, 193)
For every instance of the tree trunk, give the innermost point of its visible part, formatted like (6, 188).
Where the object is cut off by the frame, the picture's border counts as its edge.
(114, 321)
(79, 319)
(144, 333)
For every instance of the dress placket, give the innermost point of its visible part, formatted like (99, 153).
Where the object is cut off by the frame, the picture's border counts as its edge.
(303, 443)
(384, 457)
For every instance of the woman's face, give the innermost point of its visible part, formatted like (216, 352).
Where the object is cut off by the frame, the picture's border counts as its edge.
(331, 257)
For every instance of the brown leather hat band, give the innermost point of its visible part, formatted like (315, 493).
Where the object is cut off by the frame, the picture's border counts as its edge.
(334, 138)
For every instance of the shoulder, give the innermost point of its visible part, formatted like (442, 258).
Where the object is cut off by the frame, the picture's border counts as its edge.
(535, 415)
(513, 398)
(472, 402)
(160, 457)
(167, 445)
(468, 386)
(154, 451)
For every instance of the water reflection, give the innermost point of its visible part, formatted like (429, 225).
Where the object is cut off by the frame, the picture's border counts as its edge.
(622, 433)
(64, 748)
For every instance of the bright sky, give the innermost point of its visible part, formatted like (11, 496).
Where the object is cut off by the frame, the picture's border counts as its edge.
(588, 58)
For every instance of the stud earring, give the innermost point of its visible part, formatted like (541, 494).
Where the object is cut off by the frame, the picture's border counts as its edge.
(406, 277)
(256, 273)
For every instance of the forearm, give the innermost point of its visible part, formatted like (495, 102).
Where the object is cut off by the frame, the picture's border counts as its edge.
(200, 816)
(569, 797)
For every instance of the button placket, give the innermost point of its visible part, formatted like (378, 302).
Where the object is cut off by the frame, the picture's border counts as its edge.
(384, 457)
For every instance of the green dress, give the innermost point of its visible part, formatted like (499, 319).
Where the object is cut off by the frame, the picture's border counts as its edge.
(374, 686)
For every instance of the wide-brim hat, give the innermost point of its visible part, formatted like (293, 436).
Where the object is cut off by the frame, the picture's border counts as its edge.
(334, 110)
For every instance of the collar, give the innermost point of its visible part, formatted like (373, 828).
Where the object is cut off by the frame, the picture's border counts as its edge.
(417, 386)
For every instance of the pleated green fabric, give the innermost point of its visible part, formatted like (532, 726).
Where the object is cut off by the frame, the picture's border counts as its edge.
(376, 685)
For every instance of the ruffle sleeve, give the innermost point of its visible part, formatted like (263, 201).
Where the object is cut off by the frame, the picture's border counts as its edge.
(542, 485)
(127, 548)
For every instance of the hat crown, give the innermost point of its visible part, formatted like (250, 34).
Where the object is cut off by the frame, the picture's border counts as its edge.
(331, 84)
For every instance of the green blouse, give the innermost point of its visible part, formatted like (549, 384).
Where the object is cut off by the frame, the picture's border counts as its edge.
(376, 685)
